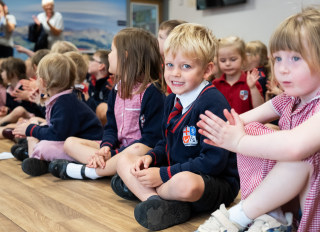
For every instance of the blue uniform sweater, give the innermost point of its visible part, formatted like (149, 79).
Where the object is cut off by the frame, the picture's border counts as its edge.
(98, 93)
(69, 117)
(150, 119)
(182, 148)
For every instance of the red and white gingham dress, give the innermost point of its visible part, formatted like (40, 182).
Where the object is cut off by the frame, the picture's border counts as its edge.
(253, 170)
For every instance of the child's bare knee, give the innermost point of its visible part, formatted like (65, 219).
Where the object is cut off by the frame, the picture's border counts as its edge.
(69, 143)
(188, 189)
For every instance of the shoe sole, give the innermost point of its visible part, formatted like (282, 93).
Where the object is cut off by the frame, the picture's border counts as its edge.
(155, 215)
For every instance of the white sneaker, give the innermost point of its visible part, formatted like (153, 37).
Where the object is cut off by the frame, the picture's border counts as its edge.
(270, 224)
(219, 222)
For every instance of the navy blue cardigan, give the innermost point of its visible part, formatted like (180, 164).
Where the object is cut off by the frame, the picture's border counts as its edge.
(173, 155)
(69, 117)
(150, 119)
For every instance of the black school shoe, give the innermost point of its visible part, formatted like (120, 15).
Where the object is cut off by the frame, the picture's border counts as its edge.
(20, 151)
(58, 168)
(121, 189)
(158, 214)
(35, 167)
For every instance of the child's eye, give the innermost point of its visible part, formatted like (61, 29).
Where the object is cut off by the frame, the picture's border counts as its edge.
(277, 59)
(169, 65)
(186, 66)
(234, 59)
(296, 58)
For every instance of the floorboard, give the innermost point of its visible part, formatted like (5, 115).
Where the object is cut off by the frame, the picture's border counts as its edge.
(46, 203)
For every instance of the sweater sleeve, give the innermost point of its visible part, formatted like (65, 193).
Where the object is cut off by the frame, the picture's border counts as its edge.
(62, 124)
(110, 133)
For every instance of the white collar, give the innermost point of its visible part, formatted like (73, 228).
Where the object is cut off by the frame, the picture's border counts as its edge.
(188, 98)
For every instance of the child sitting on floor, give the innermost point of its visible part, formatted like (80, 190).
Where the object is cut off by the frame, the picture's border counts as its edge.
(266, 185)
(65, 114)
(134, 114)
(182, 174)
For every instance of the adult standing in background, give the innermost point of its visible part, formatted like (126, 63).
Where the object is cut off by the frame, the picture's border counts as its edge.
(51, 21)
(7, 26)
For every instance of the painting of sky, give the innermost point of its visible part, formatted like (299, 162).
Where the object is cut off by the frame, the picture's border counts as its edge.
(88, 24)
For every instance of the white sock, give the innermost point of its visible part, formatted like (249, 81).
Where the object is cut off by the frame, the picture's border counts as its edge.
(74, 171)
(237, 215)
(279, 216)
(91, 173)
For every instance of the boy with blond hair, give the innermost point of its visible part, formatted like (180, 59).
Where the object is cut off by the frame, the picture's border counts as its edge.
(182, 174)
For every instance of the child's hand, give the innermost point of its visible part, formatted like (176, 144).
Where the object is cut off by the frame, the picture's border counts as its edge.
(100, 158)
(20, 95)
(142, 163)
(252, 78)
(221, 133)
(29, 84)
(150, 177)
(20, 130)
(96, 161)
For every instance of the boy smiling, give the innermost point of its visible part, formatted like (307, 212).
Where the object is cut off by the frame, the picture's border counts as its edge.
(182, 174)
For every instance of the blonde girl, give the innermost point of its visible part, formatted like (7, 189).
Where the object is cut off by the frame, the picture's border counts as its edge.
(65, 115)
(295, 50)
(135, 109)
(257, 57)
(241, 89)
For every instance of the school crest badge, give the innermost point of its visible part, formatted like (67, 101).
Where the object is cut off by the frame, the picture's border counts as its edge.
(244, 94)
(189, 136)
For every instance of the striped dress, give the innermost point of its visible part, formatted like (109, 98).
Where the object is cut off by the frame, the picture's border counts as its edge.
(253, 170)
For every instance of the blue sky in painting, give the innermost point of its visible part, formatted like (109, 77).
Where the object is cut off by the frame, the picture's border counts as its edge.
(77, 14)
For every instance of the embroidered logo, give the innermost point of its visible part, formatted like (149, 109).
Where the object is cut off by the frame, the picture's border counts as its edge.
(142, 120)
(244, 94)
(189, 136)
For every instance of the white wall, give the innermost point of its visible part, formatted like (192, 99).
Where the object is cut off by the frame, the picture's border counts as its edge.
(254, 20)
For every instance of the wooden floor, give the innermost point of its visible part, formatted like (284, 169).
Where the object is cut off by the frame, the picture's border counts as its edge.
(47, 203)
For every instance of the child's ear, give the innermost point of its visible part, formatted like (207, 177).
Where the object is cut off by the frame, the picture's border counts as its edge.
(102, 66)
(208, 70)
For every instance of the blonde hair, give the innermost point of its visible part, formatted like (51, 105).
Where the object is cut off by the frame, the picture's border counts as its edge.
(255, 48)
(38, 55)
(58, 71)
(237, 43)
(299, 33)
(81, 65)
(139, 60)
(193, 40)
(62, 46)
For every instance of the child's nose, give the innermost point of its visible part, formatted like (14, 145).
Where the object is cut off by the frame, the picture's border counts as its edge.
(176, 72)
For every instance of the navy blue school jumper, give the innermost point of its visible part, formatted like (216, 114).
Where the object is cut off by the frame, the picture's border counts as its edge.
(98, 93)
(182, 148)
(69, 117)
(150, 119)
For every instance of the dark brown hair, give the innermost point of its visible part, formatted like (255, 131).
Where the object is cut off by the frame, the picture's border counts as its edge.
(14, 67)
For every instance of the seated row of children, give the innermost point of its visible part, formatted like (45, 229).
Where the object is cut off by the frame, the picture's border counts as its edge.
(18, 100)
(152, 145)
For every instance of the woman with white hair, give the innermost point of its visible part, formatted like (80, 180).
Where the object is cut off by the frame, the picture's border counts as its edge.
(52, 22)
